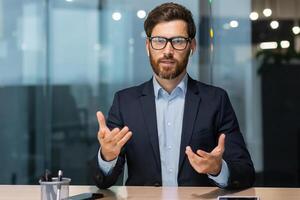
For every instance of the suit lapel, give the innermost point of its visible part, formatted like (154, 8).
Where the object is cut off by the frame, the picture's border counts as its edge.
(192, 101)
(147, 101)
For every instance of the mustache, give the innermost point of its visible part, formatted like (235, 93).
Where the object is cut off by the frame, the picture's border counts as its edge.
(167, 59)
(168, 56)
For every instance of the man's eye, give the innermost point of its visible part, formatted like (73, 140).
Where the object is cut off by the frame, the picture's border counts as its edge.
(178, 41)
(159, 40)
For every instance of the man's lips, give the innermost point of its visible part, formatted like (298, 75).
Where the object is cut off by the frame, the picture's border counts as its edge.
(167, 61)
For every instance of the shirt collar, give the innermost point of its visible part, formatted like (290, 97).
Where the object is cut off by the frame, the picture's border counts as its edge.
(181, 86)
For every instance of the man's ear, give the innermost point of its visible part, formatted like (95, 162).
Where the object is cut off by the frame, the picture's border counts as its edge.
(193, 46)
(147, 47)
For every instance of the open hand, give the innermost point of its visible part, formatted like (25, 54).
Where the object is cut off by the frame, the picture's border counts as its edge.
(111, 141)
(207, 163)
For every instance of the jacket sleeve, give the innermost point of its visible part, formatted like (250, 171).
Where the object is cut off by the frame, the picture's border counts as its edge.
(105, 181)
(236, 155)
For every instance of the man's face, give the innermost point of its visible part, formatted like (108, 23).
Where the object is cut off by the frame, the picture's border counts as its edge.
(169, 63)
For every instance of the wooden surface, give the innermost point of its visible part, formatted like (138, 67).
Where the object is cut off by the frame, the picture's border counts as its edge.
(32, 192)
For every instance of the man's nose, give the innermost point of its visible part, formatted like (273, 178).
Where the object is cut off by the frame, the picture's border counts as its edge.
(169, 48)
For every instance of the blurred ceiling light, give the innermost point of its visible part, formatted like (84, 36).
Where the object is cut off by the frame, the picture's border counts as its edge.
(274, 24)
(234, 24)
(285, 44)
(141, 14)
(211, 33)
(296, 30)
(268, 45)
(69, 0)
(116, 16)
(267, 12)
(253, 16)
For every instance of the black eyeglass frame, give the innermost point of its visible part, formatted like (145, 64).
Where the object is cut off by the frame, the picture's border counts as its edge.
(188, 40)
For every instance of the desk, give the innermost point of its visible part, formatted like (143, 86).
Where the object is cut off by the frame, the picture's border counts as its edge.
(32, 192)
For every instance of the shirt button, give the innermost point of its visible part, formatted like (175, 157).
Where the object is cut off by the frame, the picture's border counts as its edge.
(170, 170)
(169, 147)
(169, 123)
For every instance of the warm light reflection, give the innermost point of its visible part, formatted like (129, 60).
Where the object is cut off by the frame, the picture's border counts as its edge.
(116, 16)
(274, 24)
(285, 44)
(234, 24)
(253, 16)
(268, 45)
(296, 30)
(141, 14)
(267, 12)
(211, 33)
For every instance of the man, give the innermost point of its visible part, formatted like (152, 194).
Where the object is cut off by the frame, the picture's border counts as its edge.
(172, 130)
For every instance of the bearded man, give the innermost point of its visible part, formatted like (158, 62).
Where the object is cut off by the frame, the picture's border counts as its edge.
(172, 130)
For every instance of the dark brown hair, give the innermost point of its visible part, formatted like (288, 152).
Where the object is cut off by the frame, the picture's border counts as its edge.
(167, 12)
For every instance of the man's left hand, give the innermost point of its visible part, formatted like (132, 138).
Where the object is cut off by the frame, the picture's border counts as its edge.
(207, 163)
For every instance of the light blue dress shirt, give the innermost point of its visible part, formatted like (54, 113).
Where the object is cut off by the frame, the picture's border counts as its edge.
(169, 113)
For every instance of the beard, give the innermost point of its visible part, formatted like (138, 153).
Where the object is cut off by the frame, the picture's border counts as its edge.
(169, 72)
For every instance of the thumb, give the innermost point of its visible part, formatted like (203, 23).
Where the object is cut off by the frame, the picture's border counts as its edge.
(101, 122)
(221, 142)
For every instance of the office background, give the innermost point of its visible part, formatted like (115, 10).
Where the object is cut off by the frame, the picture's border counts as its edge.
(62, 60)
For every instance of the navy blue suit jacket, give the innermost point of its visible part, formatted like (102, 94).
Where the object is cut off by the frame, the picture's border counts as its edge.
(207, 113)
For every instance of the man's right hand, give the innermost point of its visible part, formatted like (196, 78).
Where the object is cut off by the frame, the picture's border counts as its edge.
(111, 142)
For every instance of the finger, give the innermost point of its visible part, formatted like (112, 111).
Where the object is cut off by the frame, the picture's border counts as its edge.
(191, 155)
(221, 145)
(109, 137)
(188, 148)
(121, 134)
(221, 141)
(202, 153)
(101, 134)
(219, 150)
(189, 152)
(195, 161)
(101, 120)
(123, 141)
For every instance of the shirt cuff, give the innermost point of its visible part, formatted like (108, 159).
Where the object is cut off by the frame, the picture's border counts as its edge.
(106, 166)
(222, 179)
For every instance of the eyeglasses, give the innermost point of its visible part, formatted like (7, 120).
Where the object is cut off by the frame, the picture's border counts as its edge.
(178, 43)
